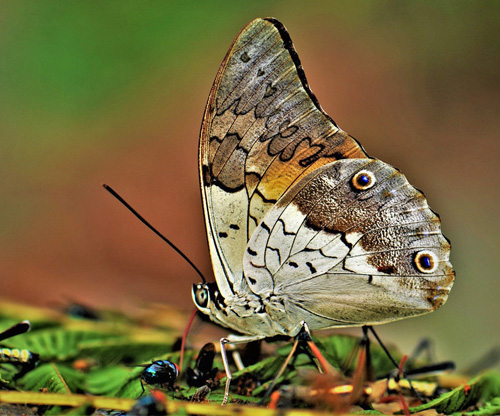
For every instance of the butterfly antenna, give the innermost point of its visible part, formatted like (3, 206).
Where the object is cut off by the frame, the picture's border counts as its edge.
(147, 224)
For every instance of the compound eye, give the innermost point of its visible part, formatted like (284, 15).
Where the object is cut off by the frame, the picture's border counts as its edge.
(426, 261)
(363, 180)
(201, 296)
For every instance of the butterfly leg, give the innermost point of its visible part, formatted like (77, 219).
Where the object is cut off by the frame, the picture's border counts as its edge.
(282, 369)
(238, 362)
(303, 336)
(424, 346)
(365, 344)
(324, 364)
(427, 346)
(362, 348)
(401, 373)
(232, 339)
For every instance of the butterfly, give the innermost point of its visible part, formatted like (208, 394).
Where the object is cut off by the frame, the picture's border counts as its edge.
(303, 226)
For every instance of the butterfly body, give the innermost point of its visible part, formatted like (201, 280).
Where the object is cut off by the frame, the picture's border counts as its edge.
(302, 225)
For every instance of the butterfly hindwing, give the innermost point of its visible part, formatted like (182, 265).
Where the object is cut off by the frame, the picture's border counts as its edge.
(262, 131)
(347, 256)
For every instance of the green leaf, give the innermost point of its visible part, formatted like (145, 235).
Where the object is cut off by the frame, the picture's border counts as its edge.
(491, 385)
(481, 387)
(109, 381)
(263, 371)
(8, 373)
(56, 378)
(132, 389)
(109, 345)
(56, 343)
(489, 408)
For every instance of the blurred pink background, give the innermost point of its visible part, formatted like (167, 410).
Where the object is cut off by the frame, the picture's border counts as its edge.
(95, 93)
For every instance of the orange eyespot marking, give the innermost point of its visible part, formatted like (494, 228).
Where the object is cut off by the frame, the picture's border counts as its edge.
(363, 180)
(426, 261)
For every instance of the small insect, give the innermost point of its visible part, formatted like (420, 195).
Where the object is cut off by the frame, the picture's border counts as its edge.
(160, 372)
(203, 373)
(16, 355)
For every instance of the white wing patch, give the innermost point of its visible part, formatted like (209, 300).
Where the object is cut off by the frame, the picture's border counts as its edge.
(346, 254)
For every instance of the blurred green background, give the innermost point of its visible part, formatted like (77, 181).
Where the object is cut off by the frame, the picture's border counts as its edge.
(114, 92)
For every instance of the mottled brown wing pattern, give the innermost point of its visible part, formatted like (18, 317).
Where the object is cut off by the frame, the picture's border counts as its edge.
(263, 130)
(352, 252)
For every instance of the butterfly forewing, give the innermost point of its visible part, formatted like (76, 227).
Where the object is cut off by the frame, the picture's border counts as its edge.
(347, 256)
(263, 130)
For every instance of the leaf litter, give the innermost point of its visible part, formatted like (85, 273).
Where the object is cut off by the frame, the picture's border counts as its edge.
(93, 366)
